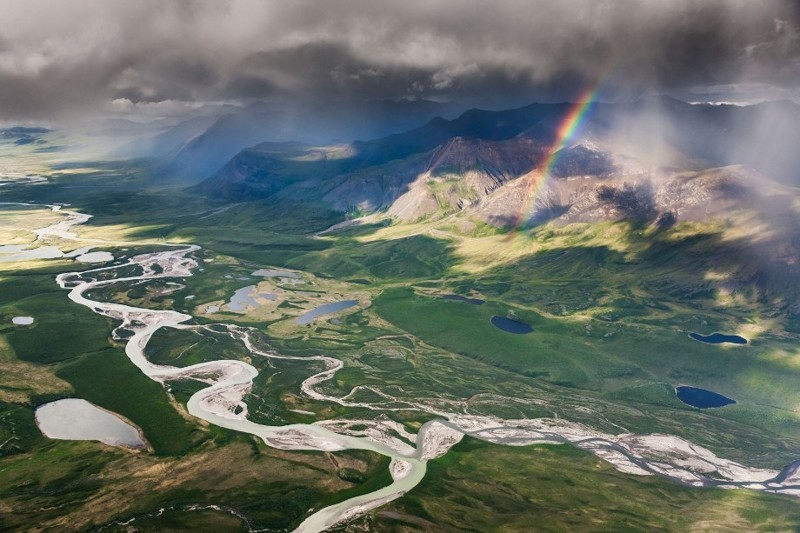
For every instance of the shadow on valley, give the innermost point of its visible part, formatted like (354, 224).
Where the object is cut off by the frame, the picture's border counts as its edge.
(410, 258)
(693, 268)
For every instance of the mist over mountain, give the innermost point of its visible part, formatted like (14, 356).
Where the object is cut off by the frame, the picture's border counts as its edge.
(206, 150)
(154, 58)
(482, 151)
(190, 98)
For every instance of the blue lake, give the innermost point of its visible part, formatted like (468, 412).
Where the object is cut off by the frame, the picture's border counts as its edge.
(511, 326)
(718, 338)
(307, 318)
(702, 398)
(459, 298)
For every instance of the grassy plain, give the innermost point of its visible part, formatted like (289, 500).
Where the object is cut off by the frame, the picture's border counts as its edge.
(610, 305)
(76, 486)
(482, 487)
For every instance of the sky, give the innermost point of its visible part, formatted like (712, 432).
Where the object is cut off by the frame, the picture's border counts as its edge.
(61, 60)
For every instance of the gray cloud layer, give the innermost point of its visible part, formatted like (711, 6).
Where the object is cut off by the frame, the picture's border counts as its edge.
(60, 58)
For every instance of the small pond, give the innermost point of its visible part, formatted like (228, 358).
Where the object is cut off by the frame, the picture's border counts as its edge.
(511, 325)
(77, 419)
(22, 320)
(332, 307)
(248, 297)
(702, 398)
(718, 338)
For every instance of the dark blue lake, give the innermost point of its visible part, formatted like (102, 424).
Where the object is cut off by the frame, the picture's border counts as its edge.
(718, 338)
(459, 298)
(701, 398)
(511, 326)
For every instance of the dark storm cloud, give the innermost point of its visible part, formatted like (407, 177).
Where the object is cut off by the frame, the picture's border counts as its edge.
(83, 56)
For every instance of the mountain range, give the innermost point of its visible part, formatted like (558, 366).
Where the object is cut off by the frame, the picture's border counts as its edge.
(651, 160)
(199, 147)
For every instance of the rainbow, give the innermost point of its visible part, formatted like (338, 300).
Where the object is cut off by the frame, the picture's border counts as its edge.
(566, 130)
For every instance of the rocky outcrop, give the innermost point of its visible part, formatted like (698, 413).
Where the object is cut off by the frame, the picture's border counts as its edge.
(657, 195)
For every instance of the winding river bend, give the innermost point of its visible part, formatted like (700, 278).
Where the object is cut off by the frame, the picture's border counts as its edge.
(222, 403)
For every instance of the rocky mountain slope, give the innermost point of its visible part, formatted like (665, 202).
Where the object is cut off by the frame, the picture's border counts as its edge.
(203, 153)
(629, 162)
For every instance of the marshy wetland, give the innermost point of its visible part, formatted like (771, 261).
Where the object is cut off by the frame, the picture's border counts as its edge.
(248, 297)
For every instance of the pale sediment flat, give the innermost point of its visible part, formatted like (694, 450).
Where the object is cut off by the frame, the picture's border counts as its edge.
(95, 257)
(77, 419)
(60, 230)
(275, 273)
(14, 253)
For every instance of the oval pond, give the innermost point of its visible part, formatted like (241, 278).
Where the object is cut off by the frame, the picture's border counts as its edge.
(702, 398)
(510, 325)
(718, 338)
